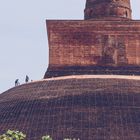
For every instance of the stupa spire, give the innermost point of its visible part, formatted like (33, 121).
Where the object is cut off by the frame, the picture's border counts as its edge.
(110, 9)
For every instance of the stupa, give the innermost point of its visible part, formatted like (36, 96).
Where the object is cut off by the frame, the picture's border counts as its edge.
(91, 90)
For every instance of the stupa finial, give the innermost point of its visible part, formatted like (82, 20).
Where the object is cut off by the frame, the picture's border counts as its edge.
(110, 9)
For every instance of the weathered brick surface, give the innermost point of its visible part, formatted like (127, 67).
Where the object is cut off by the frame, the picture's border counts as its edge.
(89, 109)
(76, 107)
(108, 9)
(93, 44)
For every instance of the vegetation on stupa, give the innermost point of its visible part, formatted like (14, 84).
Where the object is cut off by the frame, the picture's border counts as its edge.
(16, 135)
(13, 135)
(46, 138)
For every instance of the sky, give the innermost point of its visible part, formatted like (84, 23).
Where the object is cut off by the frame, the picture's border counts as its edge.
(23, 35)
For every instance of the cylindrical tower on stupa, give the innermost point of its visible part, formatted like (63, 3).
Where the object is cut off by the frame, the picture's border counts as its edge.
(108, 9)
(91, 89)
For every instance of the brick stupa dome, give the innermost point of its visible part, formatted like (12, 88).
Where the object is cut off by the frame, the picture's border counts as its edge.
(91, 90)
(84, 107)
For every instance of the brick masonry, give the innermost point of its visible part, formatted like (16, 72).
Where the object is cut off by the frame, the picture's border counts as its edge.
(112, 9)
(85, 108)
(91, 45)
(97, 107)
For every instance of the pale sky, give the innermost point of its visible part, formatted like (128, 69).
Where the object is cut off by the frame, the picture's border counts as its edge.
(23, 36)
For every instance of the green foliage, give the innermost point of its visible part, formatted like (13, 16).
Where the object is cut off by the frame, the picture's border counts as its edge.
(47, 137)
(13, 135)
(16, 135)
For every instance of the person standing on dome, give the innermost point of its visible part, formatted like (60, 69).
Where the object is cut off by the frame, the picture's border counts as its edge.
(27, 79)
(17, 82)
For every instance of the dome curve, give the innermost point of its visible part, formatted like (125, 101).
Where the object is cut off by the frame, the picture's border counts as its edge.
(84, 107)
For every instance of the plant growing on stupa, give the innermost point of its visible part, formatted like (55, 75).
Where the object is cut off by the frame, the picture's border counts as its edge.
(47, 137)
(13, 135)
(16, 135)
